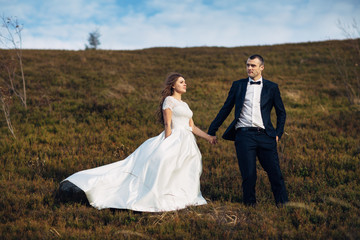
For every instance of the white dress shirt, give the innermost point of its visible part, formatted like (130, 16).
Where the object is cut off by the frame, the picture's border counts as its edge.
(250, 115)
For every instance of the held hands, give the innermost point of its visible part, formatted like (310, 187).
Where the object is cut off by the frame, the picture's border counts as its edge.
(212, 139)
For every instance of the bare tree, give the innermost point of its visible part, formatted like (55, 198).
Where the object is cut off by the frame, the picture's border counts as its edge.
(347, 65)
(350, 31)
(12, 78)
(94, 40)
(10, 39)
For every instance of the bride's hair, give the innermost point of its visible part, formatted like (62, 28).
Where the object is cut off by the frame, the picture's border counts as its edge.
(167, 91)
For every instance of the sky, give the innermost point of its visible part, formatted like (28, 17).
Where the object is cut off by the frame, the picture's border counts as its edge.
(139, 24)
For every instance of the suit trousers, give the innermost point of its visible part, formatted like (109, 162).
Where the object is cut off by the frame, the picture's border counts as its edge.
(252, 144)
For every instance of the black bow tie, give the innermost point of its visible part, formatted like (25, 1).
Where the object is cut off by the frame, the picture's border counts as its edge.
(253, 82)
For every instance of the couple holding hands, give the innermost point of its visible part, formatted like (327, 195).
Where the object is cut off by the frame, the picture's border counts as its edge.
(163, 174)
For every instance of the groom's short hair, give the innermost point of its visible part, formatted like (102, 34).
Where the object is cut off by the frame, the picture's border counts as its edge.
(261, 59)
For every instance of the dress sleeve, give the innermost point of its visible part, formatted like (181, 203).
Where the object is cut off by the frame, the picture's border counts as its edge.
(168, 103)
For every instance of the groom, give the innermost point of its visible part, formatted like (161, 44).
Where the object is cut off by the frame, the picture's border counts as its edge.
(252, 130)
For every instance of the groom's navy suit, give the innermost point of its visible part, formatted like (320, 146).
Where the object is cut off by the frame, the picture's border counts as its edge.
(260, 143)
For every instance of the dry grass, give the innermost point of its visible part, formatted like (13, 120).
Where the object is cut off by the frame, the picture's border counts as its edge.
(89, 108)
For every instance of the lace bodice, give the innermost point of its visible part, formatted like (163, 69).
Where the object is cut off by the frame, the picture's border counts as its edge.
(181, 113)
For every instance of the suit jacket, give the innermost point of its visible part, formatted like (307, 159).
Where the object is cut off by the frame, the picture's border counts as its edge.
(270, 97)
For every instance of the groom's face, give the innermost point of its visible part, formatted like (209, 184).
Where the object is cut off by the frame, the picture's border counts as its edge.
(254, 68)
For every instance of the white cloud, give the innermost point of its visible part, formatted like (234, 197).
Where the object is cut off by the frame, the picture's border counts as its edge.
(65, 24)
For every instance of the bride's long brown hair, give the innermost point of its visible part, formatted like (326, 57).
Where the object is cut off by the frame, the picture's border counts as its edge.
(167, 91)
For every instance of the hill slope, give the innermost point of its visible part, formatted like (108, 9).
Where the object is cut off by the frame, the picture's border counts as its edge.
(89, 108)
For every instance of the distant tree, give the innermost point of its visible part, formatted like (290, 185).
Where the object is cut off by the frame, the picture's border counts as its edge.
(12, 78)
(94, 40)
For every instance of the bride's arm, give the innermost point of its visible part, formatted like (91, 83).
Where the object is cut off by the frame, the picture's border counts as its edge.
(197, 131)
(167, 113)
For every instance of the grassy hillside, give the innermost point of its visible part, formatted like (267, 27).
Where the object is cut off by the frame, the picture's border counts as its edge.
(89, 108)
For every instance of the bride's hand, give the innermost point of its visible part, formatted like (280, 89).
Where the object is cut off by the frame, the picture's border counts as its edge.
(212, 140)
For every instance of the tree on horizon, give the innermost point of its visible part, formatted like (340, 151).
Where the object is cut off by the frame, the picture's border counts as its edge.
(94, 40)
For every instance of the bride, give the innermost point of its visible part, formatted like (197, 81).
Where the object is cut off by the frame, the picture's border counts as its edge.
(163, 174)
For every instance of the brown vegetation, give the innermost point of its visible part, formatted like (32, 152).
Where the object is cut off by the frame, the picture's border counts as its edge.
(89, 108)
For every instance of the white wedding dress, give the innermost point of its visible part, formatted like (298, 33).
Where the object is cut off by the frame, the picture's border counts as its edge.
(163, 174)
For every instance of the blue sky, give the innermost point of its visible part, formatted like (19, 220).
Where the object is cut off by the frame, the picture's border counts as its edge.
(138, 24)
